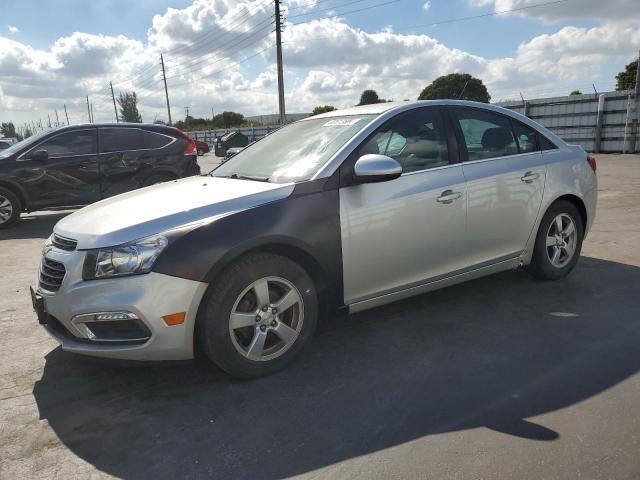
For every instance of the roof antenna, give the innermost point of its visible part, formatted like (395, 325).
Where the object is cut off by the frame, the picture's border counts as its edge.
(463, 89)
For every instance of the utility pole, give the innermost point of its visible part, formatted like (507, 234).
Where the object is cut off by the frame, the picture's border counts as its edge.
(186, 113)
(113, 97)
(88, 109)
(212, 115)
(65, 113)
(279, 60)
(57, 119)
(49, 118)
(92, 113)
(166, 92)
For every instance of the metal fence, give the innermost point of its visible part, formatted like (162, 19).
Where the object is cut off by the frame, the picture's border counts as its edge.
(253, 133)
(598, 123)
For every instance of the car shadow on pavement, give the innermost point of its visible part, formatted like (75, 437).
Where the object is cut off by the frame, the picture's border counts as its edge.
(36, 225)
(490, 353)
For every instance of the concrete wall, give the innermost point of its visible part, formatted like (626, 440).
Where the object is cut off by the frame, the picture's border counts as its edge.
(575, 118)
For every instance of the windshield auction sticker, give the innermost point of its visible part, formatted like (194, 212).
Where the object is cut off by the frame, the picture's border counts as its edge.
(342, 122)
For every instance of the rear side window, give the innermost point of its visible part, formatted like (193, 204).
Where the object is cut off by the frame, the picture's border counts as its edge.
(80, 142)
(120, 139)
(155, 140)
(526, 137)
(485, 134)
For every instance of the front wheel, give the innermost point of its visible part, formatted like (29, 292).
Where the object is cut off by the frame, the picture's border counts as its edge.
(10, 208)
(558, 242)
(258, 315)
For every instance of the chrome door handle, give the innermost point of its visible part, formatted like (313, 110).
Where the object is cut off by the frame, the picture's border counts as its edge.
(448, 196)
(529, 177)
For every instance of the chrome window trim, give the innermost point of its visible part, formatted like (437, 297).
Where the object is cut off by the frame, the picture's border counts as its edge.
(173, 140)
(491, 159)
(22, 158)
(441, 167)
(341, 155)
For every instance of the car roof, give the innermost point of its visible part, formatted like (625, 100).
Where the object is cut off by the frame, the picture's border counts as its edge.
(380, 108)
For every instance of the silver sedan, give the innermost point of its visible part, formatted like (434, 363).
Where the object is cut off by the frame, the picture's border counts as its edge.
(347, 210)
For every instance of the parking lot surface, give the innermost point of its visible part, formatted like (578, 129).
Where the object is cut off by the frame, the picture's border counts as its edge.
(502, 377)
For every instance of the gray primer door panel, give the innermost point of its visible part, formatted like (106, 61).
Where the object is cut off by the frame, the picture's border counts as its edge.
(503, 199)
(397, 234)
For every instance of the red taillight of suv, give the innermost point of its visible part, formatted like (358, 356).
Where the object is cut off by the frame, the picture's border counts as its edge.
(591, 160)
(191, 147)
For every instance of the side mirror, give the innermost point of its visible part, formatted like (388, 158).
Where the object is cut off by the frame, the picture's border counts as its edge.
(372, 168)
(40, 156)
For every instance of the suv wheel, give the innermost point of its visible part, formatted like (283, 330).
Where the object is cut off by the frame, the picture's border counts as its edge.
(258, 315)
(558, 242)
(10, 208)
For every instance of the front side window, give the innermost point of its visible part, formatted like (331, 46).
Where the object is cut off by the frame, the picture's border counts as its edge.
(295, 152)
(417, 140)
(82, 142)
(120, 139)
(485, 134)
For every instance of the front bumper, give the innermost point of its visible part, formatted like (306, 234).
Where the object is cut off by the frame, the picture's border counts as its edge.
(149, 297)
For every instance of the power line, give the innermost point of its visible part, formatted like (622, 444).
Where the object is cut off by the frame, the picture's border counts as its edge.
(346, 13)
(333, 7)
(483, 15)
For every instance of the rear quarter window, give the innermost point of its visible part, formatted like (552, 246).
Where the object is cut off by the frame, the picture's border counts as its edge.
(155, 140)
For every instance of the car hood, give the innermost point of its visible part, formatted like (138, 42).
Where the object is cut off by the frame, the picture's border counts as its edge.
(161, 207)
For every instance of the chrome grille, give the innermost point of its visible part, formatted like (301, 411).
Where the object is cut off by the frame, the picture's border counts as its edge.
(51, 275)
(66, 244)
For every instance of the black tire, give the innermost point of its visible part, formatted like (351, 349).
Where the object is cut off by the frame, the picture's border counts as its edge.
(14, 205)
(157, 178)
(213, 332)
(541, 266)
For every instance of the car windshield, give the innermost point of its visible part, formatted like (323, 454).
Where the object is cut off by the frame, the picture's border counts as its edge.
(293, 153)
(16, 147)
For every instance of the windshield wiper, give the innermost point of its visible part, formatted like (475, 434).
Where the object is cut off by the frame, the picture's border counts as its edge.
(255, 178)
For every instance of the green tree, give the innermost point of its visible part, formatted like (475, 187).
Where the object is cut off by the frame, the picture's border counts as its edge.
(322, 109)
(8, 129)
(369, 97)
(228, 120)
(128, 102)
(456, 86)
(575, 92)
(626, 80)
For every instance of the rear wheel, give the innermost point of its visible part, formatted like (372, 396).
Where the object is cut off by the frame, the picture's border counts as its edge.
(558, 242)
(259, 314)
(10, 208)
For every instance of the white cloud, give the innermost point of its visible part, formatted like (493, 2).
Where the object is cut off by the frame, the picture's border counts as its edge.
(13, 29)
(426, 6)
(620, 10)
(326, 62)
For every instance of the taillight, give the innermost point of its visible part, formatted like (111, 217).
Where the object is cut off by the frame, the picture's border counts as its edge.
(191, 147)
(592, 162)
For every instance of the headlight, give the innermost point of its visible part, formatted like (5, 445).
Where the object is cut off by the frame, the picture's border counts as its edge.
(129, 259)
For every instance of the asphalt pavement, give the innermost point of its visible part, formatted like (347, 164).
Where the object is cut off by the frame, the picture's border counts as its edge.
(502, 377)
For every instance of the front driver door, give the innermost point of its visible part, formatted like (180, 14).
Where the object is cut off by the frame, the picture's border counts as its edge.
(69, 176)
(404, 232)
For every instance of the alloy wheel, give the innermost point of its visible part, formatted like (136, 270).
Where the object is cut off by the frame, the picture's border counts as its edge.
(561, 240)
(266, 319)
(6, 209)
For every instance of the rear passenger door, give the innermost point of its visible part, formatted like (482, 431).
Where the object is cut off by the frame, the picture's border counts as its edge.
(505, 175)
(128, 156)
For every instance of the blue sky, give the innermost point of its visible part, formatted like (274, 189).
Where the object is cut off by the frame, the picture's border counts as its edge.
(56, 52)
